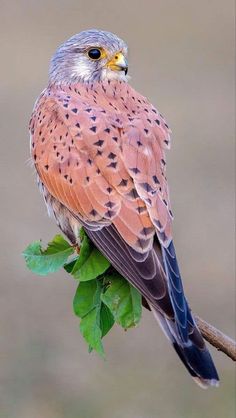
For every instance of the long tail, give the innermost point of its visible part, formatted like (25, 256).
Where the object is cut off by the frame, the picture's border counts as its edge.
(183, 332)
(196, 358)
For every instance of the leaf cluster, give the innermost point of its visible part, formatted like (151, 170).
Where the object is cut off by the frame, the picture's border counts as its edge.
(103, 297)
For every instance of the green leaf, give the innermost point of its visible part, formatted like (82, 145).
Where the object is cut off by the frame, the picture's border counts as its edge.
(123, 300)
(90, 263)
(96, 319)
(51, 259)
(95, 265)
(106, 319)
(85, 251)
(91, 331)
(85, 298)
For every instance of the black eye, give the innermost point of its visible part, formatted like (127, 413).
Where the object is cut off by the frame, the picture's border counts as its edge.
(94, 53)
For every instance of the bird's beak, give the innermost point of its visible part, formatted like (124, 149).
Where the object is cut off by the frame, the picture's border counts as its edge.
(118, 63)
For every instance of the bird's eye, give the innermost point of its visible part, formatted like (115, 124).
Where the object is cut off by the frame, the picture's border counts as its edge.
(94, 53)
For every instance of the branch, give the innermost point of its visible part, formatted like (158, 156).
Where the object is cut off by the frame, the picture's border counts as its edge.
(216, 338)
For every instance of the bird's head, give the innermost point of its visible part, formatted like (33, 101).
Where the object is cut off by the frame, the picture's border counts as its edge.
(92, 55)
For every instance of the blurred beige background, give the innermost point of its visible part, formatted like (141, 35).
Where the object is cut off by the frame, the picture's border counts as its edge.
(182, 58)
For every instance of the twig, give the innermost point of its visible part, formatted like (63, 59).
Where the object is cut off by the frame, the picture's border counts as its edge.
(216, 338)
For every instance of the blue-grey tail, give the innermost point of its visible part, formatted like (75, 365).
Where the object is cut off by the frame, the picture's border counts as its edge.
(183, 332)
(193, 354)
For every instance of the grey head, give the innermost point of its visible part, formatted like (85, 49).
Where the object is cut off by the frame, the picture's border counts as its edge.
(91, 55)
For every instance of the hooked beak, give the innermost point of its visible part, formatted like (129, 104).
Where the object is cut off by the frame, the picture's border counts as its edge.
(118, 63)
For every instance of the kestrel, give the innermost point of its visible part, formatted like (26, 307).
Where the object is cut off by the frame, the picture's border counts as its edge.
(99, 151)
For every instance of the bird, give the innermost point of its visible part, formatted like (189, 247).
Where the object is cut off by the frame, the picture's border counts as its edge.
(98, 147)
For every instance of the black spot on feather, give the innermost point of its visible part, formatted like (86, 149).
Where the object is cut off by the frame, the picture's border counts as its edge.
(99, 143)
(93, 212)
(112, 165)
(146, 187)
(110, 204)
(110, 213)
(155, 179)
(123, 183)
(146, 231)
(135, 170)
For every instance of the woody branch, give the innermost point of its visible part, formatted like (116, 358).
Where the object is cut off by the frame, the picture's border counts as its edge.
(216, 338)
